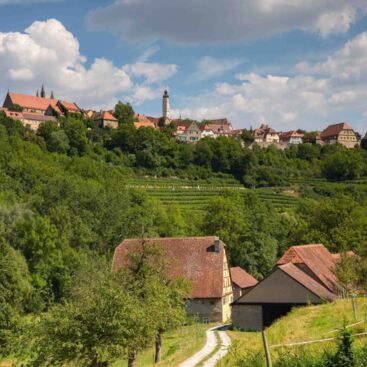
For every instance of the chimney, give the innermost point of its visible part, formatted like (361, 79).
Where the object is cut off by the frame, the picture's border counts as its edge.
(217, 245)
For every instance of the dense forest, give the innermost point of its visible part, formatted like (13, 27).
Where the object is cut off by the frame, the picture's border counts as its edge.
(65, 205)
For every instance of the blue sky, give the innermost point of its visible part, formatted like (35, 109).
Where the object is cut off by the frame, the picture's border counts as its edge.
(282, 61)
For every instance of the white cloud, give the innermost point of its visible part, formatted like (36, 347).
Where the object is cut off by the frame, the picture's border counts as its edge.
(210, 67)
(319, 94)
(48, 53)
(213, 21)
(151, 72)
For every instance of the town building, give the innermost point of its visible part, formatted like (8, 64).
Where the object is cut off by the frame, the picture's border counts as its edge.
(291, 137)
(303, 275)
(187, 131)
(340, 133)
(242, 281)
(265, 134)
(220, 127)
(28, 103)
(29, 119)
(144, 121)
(105, 119)
(200, 260)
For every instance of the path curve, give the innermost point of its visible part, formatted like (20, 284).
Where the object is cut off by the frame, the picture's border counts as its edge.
(210, 346)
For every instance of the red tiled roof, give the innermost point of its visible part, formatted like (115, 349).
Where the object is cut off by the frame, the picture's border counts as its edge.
(192, 258)
(12, 114)
(143, 121)
(333, 130)
(290, 134)
(308, 282)
(104, 115)
(241, 278)
(38, 117)
(70, 106)
(317, 258)
(31, 102)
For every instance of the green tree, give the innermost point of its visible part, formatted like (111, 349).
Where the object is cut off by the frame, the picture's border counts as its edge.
(124, 113)
(58, 142)
(15, 290)
(77, 134)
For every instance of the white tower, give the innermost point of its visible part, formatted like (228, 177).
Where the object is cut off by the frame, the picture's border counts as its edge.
(166, 111)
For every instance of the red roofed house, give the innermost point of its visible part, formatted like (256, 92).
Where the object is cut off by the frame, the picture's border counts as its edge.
(218, 127)
(303, 275)
(242, 281)
(28, 103)
(265, 134)
(202, 261)
(105, 119)
(291, 137)
(30, 119)
(143, 121)
(340, 133)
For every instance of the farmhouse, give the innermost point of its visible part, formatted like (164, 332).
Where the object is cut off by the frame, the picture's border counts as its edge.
(340, 133)
(242, 281)
(202, 261)
(303, 275)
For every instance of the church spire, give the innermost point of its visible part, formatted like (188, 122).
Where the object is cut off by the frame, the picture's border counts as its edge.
(37, 94)
(43, 93)
(52, 95)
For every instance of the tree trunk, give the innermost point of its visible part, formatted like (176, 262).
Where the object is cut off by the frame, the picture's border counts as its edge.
(132, 358)
(95, 363)
(158, 347)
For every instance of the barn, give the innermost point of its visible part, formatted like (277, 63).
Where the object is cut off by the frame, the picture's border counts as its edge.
(303, 275)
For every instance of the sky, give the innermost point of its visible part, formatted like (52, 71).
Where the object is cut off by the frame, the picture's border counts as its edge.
(290, 63)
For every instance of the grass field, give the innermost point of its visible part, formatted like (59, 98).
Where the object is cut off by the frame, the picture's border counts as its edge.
(301, 324)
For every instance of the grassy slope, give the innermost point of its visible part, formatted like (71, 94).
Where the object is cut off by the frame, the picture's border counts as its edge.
(177, 347)
(301, 324)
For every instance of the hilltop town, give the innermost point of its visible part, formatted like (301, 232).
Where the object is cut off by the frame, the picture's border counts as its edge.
(34, 110)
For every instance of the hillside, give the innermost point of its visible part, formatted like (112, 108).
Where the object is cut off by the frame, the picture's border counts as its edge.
(301, 324)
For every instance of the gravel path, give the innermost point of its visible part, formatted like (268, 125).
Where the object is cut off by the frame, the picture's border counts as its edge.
(210, 346)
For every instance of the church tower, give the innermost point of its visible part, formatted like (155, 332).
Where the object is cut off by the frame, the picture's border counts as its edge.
(43, 93)
(166, 108)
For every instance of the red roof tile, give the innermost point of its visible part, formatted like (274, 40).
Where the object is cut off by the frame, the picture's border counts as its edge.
(241, 278)
(143, 121)
(318, 260)
(104, 115)
(31, 102)
(192, 258)
(70, 106)
(333, 130)
(308, 282)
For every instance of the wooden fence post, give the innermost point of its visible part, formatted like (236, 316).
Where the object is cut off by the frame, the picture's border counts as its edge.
(266, 349)
(354, 308)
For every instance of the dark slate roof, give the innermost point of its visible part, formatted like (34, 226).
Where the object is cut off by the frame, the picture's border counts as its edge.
(192, 258)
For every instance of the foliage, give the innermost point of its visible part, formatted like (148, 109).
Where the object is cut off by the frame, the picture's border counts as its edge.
(124, 113)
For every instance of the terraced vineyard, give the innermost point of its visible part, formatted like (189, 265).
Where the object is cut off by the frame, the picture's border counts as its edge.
(195, 195)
